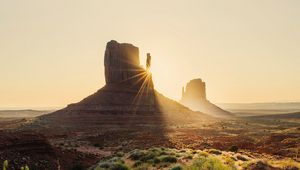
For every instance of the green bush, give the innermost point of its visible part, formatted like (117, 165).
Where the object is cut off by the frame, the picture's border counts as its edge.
(26, 167)
(136, 154)
(156, 160)
(233, 148)
(177, 167)
(189, 157)
(105, 165)
(137, 163)
(120, 154)
(208, 163)
(114, 163)
(147, 157)
(170, 159)
(215, 151)
(118, 166)
(5, 164)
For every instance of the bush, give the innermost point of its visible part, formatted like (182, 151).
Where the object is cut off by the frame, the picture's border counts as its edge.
(203, 154)
(142, 167)
(208, 164)
(215, 151)
(189, 157)
(120, 154)
(114, 163)
(25, 167)
(148, 156)
(137, 163)
(242, 158)
(118, 166)
(5, 164)
(156, 161)
(136, 154)
(170, 159)
(105, 165)
(233, 148)
(259, 165)
(177, 167)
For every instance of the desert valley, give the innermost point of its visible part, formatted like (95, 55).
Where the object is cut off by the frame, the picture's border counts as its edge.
(128, 124)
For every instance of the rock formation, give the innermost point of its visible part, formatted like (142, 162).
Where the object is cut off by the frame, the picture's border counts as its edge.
(195, 90)
(127, 100)
(194, 97)
(121, 62)
(122, 66)
(129, 86)
(129, 89)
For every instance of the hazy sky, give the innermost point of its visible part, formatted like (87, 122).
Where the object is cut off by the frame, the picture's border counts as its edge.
(51, 52)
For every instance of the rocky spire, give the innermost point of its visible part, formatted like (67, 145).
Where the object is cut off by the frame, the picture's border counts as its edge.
(148, 61)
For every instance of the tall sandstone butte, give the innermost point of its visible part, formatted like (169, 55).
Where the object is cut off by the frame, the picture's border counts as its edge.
(129, 86)
(195, 91)
(127, 100)
(194, 97)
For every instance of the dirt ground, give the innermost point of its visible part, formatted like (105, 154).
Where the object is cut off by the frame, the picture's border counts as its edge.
(279, 138)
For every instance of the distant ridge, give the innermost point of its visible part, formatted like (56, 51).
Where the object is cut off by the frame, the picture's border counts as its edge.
(294, 115)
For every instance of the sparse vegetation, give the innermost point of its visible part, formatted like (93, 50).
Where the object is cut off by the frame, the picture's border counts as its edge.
(208, 163)
(114, 163)
(177, 167)
(5, 165)
(172, 159)
(25, 167)
(215, 151)
(233, 148)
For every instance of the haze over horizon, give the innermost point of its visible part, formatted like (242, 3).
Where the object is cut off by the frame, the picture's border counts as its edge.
(52, 52)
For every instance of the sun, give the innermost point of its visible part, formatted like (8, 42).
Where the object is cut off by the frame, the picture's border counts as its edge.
(148, 71)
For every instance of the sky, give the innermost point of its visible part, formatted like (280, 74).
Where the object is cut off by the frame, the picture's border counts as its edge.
(52, 51)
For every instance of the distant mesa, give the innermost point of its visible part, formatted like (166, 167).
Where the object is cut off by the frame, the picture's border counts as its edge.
(194, 97)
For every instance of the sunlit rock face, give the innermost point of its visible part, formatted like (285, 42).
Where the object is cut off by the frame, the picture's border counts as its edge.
(121, 62)
(195, 91)
(194, 97)
(122, 66)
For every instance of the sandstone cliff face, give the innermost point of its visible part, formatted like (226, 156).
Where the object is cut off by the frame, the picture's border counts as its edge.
(194, 97)
(122, 66)
(121, 62)
(195, 91)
